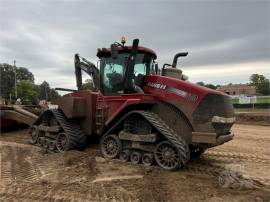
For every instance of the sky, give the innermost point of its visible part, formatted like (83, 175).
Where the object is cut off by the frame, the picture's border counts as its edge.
(227, 41)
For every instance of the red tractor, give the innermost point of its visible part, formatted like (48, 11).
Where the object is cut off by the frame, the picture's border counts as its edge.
(142, 113)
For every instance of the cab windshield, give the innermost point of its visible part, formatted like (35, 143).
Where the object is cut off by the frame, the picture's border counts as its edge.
(113, 71)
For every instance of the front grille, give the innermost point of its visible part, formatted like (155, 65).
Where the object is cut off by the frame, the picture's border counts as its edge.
(213, 105)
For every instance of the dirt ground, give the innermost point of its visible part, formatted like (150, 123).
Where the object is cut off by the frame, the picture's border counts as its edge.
(253, 117)
(235, 171)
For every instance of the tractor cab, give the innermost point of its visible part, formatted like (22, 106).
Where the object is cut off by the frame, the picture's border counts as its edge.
(123, 68)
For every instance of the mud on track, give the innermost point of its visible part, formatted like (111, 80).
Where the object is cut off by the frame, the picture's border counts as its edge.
(236, 171)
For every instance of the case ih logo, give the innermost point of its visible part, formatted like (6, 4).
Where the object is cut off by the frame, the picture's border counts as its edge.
(182, 93)
(157, 85)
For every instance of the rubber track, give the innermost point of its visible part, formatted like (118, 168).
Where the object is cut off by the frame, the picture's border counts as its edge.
(168, 133)
(72, 129)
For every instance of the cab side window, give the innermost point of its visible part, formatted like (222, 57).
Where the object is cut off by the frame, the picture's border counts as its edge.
(139, 73)
(113, 79)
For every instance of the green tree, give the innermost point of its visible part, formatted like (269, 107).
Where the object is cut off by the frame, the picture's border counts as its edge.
(24, 74)
(261, 83)
(27, 92)
(88, 85)
(43, 92)
(8, 78)
(46, 93)
(54, 94)
(212, 86)
(201, 83)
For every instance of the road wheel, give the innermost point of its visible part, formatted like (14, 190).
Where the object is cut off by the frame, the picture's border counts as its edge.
(52, 145)
(62, 142)
(124, 155)
(110, 146)
(46, 143)
(147, 159)
(167, 156)
(40, 141)
(135, 157)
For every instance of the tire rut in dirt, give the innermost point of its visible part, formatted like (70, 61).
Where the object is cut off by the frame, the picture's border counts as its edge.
(90, 192)
(239, 156)
(15, 165)
(238, 179)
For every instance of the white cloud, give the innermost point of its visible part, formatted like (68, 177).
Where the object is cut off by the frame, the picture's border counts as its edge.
(224, 74)
(44, 35)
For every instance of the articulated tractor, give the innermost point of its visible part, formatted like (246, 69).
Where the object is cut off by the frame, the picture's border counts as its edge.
(142, 113)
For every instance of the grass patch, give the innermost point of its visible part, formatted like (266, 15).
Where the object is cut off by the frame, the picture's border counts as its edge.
(260, 100)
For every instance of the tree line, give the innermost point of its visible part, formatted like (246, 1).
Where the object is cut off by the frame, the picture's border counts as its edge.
(27, 90)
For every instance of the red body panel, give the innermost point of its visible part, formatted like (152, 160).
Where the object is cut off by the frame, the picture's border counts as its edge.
(182, 94)
(186, 87)
(115, 104)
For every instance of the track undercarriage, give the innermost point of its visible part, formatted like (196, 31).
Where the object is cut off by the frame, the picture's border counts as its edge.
(146, 139)
(54, 131)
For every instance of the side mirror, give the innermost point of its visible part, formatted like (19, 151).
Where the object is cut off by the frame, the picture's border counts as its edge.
(114, 51)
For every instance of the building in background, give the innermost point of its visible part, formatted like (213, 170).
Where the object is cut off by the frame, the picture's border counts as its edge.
(238, 89)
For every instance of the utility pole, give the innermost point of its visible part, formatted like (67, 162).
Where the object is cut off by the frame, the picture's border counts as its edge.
(15, 83)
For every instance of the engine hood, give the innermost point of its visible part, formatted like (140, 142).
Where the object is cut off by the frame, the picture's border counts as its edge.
(171, 88)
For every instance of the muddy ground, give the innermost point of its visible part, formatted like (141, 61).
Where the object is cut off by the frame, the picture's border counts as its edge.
(235, 171)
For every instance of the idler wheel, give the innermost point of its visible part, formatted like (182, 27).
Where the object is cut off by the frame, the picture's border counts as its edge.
(167, 156)
(110, 146)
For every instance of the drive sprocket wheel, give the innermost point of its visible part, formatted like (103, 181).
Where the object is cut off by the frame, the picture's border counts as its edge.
(110, 146)
(167, 156)
(62, 142)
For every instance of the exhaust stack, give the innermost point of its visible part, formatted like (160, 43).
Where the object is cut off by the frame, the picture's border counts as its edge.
(177, 55)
